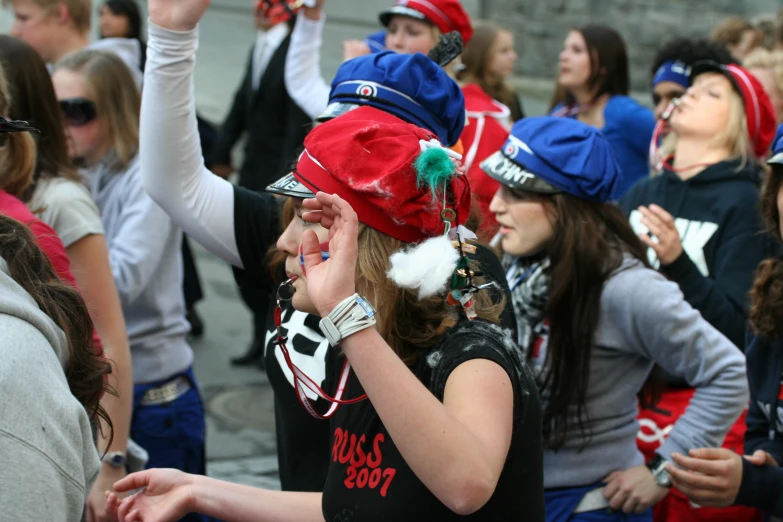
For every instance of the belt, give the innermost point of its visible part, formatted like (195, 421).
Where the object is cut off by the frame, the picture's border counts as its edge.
(592, 501)
(169, 392)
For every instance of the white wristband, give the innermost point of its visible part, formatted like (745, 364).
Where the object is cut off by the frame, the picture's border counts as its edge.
(352, 315)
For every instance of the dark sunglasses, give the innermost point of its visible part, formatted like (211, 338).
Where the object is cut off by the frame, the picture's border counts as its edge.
(78, 111)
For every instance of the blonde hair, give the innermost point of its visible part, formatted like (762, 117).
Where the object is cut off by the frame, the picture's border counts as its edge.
(117, 99)
(409, 325)
(734, 135)
(80, 11)
(17, 151)
(771, 60)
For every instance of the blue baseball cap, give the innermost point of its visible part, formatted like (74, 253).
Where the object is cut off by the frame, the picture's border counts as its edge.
(673, 71)
(376, 41)
(409, 86)
(777, 147)
(548, 155)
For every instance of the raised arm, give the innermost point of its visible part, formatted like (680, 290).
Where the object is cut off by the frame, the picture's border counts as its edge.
(172, 165)
(303, 79)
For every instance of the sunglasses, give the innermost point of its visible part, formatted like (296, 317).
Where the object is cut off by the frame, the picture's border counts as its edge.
(78, 111)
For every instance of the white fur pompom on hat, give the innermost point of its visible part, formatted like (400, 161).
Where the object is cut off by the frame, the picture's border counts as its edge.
(426, 267)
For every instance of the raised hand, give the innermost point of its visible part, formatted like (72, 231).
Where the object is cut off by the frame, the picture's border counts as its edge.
(330, 282)
(666, 243)
(177, 15)
(167, 496)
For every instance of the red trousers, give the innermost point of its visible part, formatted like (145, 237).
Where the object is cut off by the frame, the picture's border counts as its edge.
(655, 427)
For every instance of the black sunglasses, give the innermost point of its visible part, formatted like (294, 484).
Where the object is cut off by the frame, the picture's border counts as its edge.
(78, 111)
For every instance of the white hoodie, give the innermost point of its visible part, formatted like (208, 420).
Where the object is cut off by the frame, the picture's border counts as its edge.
(48, 460)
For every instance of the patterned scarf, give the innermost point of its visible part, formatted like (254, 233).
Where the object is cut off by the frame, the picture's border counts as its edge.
(529, 283)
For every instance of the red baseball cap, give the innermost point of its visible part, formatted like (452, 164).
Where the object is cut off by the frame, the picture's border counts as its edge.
(758, 108)
(366, 157)
(446, 15)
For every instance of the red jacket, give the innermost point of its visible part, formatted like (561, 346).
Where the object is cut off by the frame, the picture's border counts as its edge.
(489, 123)
(46, 239)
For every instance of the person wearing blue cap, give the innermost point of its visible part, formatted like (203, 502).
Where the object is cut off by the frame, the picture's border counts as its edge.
(593, 319)
(670, 71)
(719, 477)
(240, 226)
(409, 86)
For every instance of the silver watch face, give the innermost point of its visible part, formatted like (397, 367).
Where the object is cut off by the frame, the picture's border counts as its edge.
(366, 306)
(662, 479)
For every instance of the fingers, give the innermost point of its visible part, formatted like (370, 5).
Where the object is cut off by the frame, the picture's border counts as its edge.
(112, 505)
(652, 242)
(619, 499)
(311, 250)
(631, 505)
(711, 453)
(132, 481)
(89, 515)
(759, 458)
(693, 481)
(612, 485)
(662, 215)
(704, 465)
(125, 508)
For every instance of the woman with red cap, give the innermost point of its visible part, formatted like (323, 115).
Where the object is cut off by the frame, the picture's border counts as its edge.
(693, 215)
(436, 416)
(698, 219)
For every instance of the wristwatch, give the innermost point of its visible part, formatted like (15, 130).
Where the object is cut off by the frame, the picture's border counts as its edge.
(657, 466)
(352, 315)
(115, 459)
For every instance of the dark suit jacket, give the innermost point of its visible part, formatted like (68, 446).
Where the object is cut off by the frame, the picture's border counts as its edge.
(275, 125)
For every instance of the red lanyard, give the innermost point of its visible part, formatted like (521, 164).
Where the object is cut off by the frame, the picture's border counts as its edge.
(301, 379)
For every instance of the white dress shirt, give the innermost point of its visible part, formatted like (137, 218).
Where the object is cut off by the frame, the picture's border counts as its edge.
(267, 43)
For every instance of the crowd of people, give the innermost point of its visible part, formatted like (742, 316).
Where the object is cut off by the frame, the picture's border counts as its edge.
(464, 312)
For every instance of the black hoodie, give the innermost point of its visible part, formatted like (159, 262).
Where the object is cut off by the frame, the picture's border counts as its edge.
(763, 487)
(717, 215)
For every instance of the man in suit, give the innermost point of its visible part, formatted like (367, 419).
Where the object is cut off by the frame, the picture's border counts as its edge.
(275, 128)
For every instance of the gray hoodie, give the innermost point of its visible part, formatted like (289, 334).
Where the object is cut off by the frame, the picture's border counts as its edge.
(48, 461)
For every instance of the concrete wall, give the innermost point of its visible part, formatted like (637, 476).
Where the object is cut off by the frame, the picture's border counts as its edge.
(541, 25)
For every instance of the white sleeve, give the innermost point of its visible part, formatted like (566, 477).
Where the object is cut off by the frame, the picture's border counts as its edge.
(303, 79)
(172, 166)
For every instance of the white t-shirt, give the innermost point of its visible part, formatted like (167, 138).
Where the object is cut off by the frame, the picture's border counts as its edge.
(67, 207)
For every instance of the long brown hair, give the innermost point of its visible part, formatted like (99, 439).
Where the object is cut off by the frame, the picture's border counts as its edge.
(17, 151)
(609, 73)
(34, 101)
(588, 245)
(476, 59)
(117, 99)
(31, 269)
(766, 310)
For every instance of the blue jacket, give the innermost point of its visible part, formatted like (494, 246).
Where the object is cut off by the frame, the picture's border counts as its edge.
(763, 487)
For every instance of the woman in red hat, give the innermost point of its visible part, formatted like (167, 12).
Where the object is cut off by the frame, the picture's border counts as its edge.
(413, 26)
(435, 414)
(697, 218)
